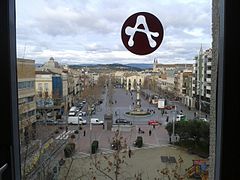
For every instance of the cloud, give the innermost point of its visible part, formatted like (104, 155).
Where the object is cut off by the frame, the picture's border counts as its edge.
(89, 31)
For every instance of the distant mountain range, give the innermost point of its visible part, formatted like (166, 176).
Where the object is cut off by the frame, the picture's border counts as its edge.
(130, 66)
(141, 66)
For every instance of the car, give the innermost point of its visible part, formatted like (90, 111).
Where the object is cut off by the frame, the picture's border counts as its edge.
(50, 122)
(82, 113)
(122, 121)
(169, 107)
(82, 121)
(203, 119)
(96, 121)
(153, 122)
(180, 117)
(61, 122)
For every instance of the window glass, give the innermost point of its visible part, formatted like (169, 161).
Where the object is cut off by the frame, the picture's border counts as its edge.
(74, 52)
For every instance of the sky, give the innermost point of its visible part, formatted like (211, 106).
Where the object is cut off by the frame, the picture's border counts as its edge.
(89, 31)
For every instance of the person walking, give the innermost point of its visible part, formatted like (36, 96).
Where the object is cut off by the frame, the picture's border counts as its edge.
(84, 133)
(129, 152)
(150, 132)
(167, 119)
(66, 128)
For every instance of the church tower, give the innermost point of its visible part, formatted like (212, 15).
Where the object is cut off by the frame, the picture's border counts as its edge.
(155, 62)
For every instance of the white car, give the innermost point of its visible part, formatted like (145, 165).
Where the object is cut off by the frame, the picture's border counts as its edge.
(96, 121)
(203, 119)
(180, 117)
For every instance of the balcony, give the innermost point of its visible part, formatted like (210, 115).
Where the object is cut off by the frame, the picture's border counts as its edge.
(209, 63)
(208, 87)
(209, 72)
(208, 80)
(208, 95)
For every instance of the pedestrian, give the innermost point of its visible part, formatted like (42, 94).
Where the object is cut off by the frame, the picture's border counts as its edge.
(103, 126)
(167, 119)
(129, 152)
(206, 116)
(66, 128)
(150, 132)
(139, 130)
(84, 133)
(154, 126)
(181, 112)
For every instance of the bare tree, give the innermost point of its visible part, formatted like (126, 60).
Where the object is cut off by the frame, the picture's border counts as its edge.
(111, 165)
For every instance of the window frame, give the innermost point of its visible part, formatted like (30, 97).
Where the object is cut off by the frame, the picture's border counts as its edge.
(9, 100)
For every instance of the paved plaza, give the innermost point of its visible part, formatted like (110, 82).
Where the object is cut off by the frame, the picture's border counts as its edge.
(146, 160)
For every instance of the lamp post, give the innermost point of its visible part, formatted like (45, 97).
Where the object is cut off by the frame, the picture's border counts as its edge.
(90, 138)
(173, 123)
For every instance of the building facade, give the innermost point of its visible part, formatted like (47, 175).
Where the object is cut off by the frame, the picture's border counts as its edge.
(26, 98)
(202, 80)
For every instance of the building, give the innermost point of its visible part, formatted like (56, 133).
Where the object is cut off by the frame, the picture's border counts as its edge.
(202, 80)
(132, 81)
(26, 98)
(49, 92)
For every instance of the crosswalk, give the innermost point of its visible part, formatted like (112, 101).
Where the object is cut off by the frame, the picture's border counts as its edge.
(64, 135)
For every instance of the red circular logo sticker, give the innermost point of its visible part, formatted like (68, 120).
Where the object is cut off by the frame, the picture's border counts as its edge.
(142, 33)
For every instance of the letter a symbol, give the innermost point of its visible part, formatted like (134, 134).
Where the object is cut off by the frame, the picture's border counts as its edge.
(131, 32)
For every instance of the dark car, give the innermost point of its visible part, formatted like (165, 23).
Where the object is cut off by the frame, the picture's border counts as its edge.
(122, 121)
(50, 122)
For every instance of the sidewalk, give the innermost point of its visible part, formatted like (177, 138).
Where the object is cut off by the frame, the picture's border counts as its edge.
(146, 162)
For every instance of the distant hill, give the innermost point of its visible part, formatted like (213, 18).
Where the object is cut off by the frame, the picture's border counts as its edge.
(114, 66)
(140, 65)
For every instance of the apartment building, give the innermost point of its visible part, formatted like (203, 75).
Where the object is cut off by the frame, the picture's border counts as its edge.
(202, 80)
(26, 98)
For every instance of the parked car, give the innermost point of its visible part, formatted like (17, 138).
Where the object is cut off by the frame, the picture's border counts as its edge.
(169, 107)
(82, 113)
(203, 119)
(96, 121)
(180, 117)
(50, 122)
(61, 122)
(153, 122)
(122, 121)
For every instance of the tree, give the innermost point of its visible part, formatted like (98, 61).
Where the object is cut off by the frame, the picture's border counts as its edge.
(194, 134)
(111, 165)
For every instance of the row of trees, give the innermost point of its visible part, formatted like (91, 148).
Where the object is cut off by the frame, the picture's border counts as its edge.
(194, 135)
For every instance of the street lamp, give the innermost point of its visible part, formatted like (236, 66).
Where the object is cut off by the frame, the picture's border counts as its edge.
(90, 138)
(173, 123)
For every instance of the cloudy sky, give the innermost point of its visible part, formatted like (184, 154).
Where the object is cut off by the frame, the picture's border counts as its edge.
(89, 31)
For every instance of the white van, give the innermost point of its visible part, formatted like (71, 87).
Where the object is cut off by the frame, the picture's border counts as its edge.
(96, 121)
(74, 120)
